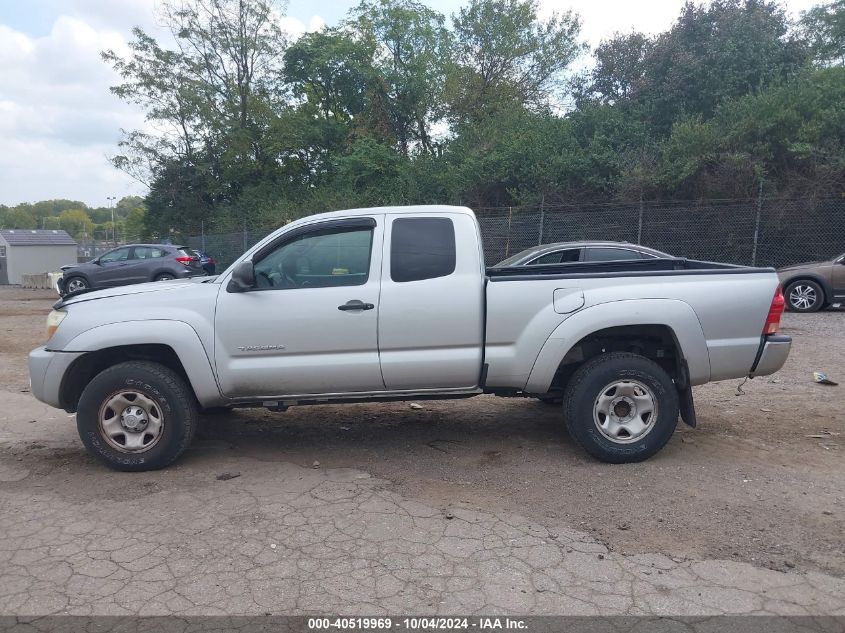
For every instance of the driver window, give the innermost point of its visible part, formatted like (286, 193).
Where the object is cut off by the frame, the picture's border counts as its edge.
(318, 260)
(119, 255)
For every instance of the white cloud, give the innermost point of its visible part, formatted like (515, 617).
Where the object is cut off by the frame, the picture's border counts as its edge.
(58, 120)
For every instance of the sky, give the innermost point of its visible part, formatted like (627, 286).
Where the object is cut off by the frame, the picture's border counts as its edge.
(59, 123)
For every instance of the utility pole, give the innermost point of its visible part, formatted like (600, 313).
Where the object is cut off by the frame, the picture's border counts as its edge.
(111, 200)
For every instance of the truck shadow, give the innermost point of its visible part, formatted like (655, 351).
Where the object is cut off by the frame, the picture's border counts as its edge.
(485, 429)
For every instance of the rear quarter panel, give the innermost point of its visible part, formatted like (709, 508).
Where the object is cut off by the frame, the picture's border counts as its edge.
(717, 319)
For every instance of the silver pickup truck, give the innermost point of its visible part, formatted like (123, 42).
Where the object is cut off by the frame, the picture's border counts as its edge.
(394, 303)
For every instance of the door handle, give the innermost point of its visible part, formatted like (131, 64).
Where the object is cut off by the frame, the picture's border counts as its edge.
(355, 304)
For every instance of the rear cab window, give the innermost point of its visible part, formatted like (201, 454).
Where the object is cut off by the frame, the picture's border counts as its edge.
(422, 248)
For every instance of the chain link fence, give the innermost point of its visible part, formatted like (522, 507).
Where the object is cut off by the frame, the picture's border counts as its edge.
(761, 232)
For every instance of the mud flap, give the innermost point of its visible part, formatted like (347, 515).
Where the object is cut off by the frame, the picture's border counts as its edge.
(687, 405)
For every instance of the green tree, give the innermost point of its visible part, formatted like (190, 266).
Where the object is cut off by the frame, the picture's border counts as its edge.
(76, 222)
(504, 55)
(411, 46)
(619, 71)
(792, 136)
(20, 217)
(214, 96)
(823, 27)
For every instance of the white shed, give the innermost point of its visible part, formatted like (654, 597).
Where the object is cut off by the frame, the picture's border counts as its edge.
(25, 252)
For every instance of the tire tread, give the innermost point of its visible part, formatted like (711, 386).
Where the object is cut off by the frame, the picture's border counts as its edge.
(185, 402)
(571, 400)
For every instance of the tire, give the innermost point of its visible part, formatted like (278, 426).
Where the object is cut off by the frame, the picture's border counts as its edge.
(553, 401)
(163, 413)
(804, 296)
(75, 284)
(164, 277)
(607, 398)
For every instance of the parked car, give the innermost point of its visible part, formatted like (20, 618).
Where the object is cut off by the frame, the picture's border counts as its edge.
(131, 264)
(393, 303)
(814, 285)
(206, 261)
(563, 252)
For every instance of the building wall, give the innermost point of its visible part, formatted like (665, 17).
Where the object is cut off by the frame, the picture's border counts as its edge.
(4, 272)
(25, 260)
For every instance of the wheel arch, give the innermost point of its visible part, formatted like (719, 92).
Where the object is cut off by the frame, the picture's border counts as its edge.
(827, 289)
(644, 325)
(174, 344)
(72, 274)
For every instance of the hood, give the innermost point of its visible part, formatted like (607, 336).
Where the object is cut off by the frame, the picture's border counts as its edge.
(801, 265)
(69, 266)
(122, 291)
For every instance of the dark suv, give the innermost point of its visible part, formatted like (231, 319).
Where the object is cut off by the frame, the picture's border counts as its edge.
(132, 264)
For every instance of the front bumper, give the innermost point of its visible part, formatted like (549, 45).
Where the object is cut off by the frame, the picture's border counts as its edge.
(773, 353)
(46, 372)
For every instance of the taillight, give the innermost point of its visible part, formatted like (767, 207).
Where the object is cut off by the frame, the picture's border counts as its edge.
(775, 311)
(184, 260)
(210, 260)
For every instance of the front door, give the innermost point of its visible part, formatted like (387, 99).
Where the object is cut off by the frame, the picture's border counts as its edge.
(309, 326)
(113, 268)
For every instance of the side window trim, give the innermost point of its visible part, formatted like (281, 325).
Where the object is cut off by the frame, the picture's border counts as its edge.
(348, 224)
(345, 225)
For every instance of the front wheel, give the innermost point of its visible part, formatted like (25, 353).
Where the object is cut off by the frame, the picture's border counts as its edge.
(136, 416)
(621, 407)
(804, 296)
(75, 284)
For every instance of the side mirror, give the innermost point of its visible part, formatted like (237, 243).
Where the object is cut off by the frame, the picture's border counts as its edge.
(96, 260)
(243, 278)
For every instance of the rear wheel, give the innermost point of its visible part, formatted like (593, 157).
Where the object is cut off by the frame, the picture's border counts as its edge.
(804, 296)
(621, 407)
(136, 416)
(165, 277)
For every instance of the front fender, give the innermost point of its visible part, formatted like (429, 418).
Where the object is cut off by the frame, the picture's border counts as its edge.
(177, 335)
(677, 315)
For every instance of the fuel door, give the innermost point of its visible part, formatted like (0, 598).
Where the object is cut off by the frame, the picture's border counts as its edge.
(567, 300)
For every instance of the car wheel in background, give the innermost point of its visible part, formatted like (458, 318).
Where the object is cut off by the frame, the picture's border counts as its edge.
(75, 284)
(136, 416)
(621, 407)
(165, 277)
(804, 296)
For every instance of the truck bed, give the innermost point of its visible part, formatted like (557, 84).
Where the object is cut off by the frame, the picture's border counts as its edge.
(716, 312)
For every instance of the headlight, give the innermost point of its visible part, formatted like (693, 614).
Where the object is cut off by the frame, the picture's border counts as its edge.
(54, 319)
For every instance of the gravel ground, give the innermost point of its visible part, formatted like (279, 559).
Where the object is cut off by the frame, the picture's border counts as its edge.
(472, 505)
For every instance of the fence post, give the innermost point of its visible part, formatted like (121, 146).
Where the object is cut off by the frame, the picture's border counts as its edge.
(640, 222)
(508, 240)
(542, 219)
(757, 224)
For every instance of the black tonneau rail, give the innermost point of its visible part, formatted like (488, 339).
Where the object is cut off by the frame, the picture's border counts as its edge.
(622, 268)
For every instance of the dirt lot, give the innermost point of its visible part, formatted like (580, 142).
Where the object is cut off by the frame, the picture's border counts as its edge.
(756, 493)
